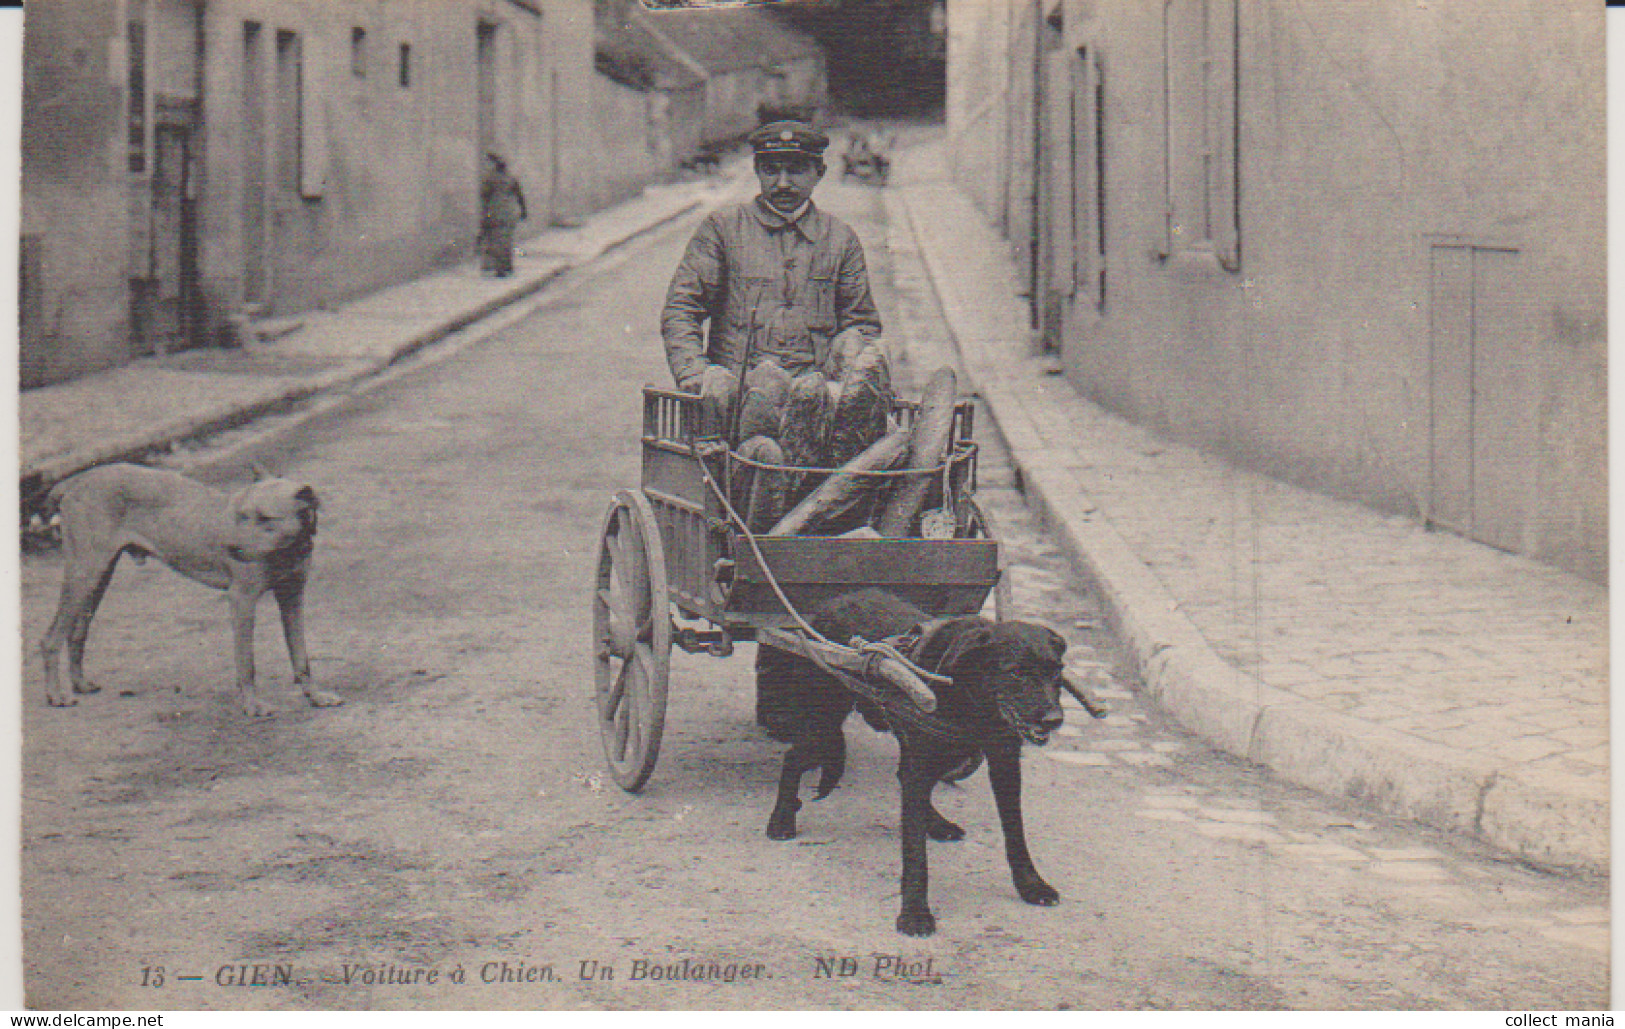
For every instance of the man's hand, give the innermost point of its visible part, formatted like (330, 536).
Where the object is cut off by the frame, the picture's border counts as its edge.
(720, 381)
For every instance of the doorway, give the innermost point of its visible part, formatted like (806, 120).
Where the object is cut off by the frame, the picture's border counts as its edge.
(1482, 378)
(172, 315)
(256, 279)
(485, 55)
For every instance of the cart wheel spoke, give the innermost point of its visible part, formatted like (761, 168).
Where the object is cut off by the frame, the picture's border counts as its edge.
(637, 709)
(621, 596)
(618, 567)
(631, 570)
(631, 701)
(624, 581)
(620, 602)
(611, 705)
(639, 607)
(620, 638)
(643, 663)
(623, 720)
(612, 640)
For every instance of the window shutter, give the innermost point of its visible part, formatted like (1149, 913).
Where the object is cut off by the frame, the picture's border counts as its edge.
(1224, 62)
(1089, 187)
(1062, 171)
(313, 150)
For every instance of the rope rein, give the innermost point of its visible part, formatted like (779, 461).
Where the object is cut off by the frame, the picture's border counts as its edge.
(761, 559)
(898, 709)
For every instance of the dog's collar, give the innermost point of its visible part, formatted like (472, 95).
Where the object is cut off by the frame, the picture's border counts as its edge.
(297, 549)
(914, 641)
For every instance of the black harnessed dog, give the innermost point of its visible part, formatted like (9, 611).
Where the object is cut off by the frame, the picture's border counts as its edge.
(1007, 678)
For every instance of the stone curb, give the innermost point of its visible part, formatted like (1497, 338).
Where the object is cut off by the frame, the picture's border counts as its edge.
(40, 477)
(1305, 743)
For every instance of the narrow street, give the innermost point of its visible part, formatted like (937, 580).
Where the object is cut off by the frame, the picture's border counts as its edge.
(453, 818)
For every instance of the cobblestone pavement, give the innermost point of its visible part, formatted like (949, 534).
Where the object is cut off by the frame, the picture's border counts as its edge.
(1162, 766)
(1425, 633)
(1355, 651)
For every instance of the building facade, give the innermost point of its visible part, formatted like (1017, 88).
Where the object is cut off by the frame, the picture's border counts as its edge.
(753, 61)
(187, 163)
(648, 102)
(1357, 246)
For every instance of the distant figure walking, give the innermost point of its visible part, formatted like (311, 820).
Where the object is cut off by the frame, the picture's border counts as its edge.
(502, 207)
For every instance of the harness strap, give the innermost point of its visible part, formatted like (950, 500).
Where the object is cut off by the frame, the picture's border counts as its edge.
(900, 711)
(915, 640)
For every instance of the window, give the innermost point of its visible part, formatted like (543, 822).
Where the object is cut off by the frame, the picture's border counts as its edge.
(406, 65)
(1072, 190)
(485, 64)
(135, 45)
(1200, 59)
(289, 111)
(255, 135)
(300, 129)
(358, 52)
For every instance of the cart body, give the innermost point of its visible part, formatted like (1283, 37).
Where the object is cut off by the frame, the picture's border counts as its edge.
(713, 574)
(671, 553)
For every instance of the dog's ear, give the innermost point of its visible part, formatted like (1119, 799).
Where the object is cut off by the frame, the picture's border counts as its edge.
(969, 645)
(260, 474)
(1056, 640)
(307, 513)
(237, 505)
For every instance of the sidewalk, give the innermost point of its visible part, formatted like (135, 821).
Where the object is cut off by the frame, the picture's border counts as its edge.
(127, 412)
(1349, 651)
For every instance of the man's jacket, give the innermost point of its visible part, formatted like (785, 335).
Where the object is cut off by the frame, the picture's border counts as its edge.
(749, 273)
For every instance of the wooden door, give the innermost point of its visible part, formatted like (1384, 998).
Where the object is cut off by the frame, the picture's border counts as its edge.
(1482, 384)
(174, 312)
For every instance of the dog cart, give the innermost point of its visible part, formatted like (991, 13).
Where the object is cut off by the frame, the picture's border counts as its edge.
(866, 165)
(677, 566)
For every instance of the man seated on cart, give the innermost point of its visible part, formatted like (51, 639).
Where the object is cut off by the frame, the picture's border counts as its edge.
(777, 290)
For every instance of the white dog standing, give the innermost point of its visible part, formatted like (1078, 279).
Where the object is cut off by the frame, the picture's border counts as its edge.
(256, 540)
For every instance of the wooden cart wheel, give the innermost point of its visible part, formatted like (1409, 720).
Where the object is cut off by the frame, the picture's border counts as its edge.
(1003, 600)
(631, 624)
